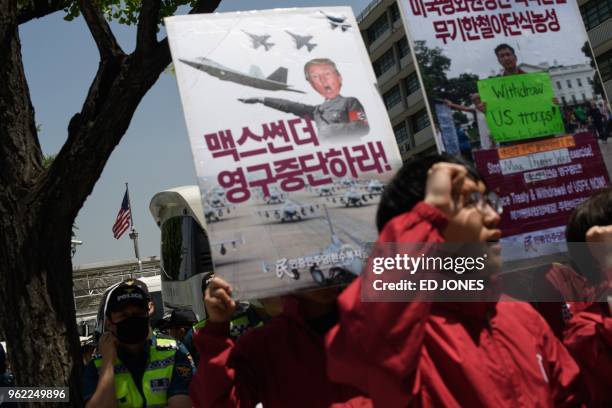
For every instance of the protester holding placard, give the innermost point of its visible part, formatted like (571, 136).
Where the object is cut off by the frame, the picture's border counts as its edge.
(477, 354)
(280, 364)
(477, 108)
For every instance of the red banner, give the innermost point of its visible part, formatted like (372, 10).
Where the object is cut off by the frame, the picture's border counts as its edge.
(540, 190)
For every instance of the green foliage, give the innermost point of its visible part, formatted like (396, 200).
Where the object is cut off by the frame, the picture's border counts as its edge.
(48, 160)
(127, 11)
(433, 65)
(170, 70)
(597, 86)
(461, 88)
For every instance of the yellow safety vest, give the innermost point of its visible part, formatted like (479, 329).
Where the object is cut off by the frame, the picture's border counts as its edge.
(238, 326)
(155, 380)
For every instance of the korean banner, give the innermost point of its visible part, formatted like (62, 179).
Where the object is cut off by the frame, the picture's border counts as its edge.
(526, 98)
(291, 142)
(509, 69)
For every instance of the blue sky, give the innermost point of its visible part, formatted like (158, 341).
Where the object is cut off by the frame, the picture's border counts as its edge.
(60, 60)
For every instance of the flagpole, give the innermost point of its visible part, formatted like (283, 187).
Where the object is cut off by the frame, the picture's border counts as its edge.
(133, 233)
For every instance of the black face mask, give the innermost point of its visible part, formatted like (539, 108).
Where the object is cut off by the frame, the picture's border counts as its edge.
(133, 330)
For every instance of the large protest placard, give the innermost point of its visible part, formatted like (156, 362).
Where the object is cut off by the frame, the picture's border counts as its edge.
(291, 142)
(520, 107)
(517, 72)
(540, 184)
(465, 48)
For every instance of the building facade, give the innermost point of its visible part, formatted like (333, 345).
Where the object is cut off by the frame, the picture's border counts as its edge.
(383, 33)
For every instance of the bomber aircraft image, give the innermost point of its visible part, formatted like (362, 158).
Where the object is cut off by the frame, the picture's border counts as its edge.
(277, 81)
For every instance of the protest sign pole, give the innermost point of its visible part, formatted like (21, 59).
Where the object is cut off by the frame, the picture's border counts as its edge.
(133, 232)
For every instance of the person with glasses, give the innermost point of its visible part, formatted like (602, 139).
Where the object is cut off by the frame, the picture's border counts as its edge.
(433, 354)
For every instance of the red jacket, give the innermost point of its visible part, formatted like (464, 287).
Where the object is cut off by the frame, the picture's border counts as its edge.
(447, 354)
(589, 338)
(281, 364)
(572, 291)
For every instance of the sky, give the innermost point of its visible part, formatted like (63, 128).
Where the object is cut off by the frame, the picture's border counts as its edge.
(60, 60)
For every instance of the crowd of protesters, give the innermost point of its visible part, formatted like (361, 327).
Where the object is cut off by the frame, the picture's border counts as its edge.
(328, 348)
(589, 116)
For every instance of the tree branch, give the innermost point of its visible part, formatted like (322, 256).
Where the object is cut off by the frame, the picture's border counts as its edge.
(146, 37)
(39, 8)
(100, 30)
(20, 153)
(114, 96)
(205, 6)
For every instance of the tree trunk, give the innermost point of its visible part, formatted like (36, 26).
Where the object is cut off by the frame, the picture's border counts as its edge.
(36, 307)
(40, 326)
(38, 206)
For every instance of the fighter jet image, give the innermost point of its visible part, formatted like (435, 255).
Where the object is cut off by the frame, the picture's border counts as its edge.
(337, 263)
(346, 182)
(274, 196)
(215, 198)
(375, 187)
(352, 198)
(291, 211)
(325, 191)
(277, 81)
(301, 41)
(214, 214)
(260, 40)
(222, 245)
(337, 21)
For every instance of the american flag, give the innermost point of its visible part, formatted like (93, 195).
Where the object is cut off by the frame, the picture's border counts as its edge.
(123, 221)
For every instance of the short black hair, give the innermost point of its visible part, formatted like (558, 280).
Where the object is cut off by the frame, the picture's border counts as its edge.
(504, 46)
(407, 187)
(597, 210)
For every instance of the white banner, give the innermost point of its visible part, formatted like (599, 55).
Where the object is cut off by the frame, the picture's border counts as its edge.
(291, 142)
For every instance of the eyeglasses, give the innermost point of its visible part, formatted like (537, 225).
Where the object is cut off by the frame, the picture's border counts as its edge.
(481, 200)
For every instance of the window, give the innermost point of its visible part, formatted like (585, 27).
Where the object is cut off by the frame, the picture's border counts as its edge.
(401, 133)
(559, 85)
(596, 12)
(579, 82)
(564, 100)
(574, 99)
(395, 13)
(420, 121)
(378, 28)
(403, 47)
(384, 63)
(569, 83)
(583, 98)
(412, 83)
(392, 97)
(185, 250)
(604, 62)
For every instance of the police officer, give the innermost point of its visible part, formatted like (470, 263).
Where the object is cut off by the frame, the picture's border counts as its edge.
(133, 367)
(337, 115)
